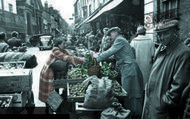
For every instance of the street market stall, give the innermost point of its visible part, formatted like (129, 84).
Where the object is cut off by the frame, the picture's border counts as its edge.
(71, 89)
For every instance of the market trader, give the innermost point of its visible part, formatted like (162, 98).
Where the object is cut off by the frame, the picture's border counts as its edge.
(169, 76)
(46, 85)
(131, 76)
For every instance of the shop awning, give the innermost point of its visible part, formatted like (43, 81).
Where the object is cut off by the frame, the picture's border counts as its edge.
(106, 8)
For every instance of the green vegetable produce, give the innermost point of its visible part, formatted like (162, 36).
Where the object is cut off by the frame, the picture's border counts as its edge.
(106, 70)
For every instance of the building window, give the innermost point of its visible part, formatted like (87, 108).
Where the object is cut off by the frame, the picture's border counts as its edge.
(84, 11)
(170, 4)
(169, 9)
(32, 2)
(1, 4)
(90, 7)
(10, 7)
(83, 2)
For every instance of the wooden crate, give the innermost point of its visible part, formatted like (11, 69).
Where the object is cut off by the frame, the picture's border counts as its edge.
(81, 99)
(124, 93)
(71, 98)
(19, 99)
(15, 80)
(62, 83)
(5, 109)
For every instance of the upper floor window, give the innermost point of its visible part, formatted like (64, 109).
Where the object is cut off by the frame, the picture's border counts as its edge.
(169, 5)
(1, 4)
(83, 3)
(10, 7)
(90, 7)
(32, 2)
(84, 11)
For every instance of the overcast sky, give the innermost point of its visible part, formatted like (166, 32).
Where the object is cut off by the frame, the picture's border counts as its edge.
(65, 7)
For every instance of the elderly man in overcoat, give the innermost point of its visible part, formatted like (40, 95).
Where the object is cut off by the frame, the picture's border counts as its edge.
(169, 75)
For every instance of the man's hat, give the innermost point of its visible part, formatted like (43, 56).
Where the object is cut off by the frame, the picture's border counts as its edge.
(14, 34)
(2, 35)
(106, 29)
(117, 29)
(141, 29)
(166, 25)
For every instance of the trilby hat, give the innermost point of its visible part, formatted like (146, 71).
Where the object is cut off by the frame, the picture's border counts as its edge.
(117, 29)
(166, 25)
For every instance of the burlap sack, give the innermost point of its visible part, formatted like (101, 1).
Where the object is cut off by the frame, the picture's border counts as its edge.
(99, 94)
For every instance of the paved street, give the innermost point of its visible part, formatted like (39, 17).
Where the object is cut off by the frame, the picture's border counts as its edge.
(41, 58)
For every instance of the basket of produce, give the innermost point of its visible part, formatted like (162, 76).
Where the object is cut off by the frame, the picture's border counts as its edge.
(94, 70)
(6, 102)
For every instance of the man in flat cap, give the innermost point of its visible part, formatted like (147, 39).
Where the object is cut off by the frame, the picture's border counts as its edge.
(169, 76)
(131, 75)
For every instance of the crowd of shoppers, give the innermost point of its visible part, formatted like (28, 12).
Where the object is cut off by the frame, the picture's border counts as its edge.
(155, 78)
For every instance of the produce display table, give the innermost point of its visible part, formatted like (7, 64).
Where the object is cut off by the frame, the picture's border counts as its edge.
(64, 83)
(77, 100)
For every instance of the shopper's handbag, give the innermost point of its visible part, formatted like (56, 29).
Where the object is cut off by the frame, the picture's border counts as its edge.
(116, 111)
(95, 69)
(54, 100)
(99, 93)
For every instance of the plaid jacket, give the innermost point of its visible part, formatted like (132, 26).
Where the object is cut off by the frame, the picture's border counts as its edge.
(46, 85)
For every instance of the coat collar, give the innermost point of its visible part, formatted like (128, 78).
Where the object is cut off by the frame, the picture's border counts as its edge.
(170, 47)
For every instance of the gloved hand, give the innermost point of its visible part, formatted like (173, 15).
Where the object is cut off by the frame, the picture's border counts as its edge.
(82, 59)
(95, 55)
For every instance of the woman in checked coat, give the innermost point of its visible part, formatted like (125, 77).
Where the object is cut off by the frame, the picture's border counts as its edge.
(46, 85)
